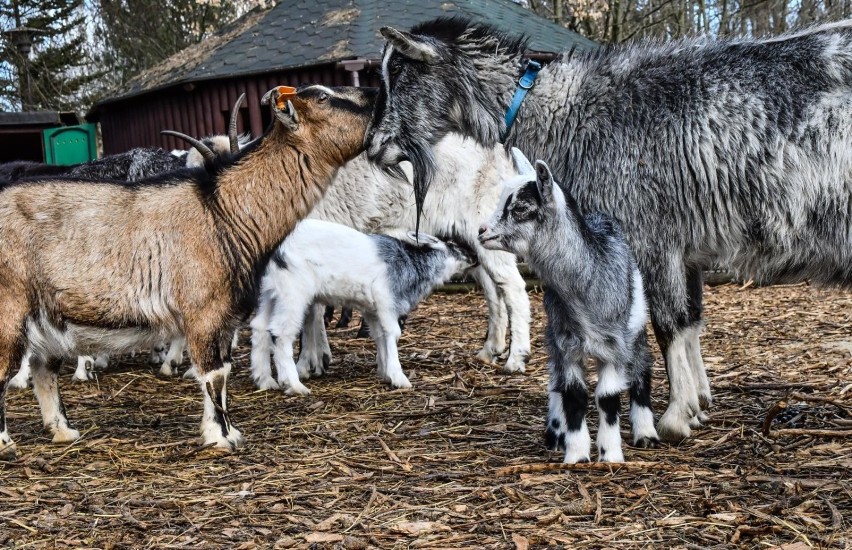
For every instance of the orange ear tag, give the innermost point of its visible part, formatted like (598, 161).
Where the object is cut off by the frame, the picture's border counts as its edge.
(284, 93)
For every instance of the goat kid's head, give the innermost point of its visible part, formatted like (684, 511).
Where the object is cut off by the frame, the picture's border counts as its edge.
(331, 121)
(457, 258)
(527, 203)
(446, 75)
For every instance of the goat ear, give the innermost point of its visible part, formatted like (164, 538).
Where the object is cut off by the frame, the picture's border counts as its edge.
(522, 163)
(422, 239)
(409, 46)
(544, 181)
(287, 116)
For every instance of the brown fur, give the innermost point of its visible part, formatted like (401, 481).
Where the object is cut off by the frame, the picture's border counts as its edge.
(182, 257)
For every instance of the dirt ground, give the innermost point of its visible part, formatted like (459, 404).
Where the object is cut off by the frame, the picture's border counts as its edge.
(457, 462)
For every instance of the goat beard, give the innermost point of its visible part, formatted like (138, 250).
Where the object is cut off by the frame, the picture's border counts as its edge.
(423, 163)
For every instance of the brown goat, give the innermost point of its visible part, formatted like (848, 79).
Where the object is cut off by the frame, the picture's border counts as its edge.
(222, 223)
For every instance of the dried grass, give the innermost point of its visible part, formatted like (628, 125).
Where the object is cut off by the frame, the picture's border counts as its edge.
(457, 462)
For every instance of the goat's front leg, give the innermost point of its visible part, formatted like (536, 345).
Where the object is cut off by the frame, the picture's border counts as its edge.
(502, 268)
(495, 337)
(386, 333)
(567, 404)
(674, 324)
(46, 389)
(216, 427)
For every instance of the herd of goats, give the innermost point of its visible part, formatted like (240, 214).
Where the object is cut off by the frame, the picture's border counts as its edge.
(652, 162)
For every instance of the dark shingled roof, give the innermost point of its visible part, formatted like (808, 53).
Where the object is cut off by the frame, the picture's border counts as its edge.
(298, 33)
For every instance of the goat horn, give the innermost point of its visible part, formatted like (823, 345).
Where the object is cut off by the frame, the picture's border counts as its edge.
(205, 151)
(232, 126)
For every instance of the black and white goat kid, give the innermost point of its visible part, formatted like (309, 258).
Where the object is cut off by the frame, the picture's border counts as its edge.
(595, 306)
(333, 264)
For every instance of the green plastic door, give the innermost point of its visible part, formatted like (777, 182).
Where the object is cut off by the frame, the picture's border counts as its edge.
(70, 144)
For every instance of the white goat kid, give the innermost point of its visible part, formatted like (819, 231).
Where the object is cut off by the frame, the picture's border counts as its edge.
(465, 190)
(333, 264)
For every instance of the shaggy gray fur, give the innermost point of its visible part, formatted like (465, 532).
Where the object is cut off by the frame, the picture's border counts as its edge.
(595, 308)
(734, 152)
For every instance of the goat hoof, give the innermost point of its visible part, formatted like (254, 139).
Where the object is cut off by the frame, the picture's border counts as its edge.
(402, 384)
(571, 458)
(166, 370)
(647, 443)
(553, 440)
(517, 363)
(18, 382)
(65, 435)
(297, 389)
(191, 373)
(485, 356)
(672, 428)
(8, 450)
(705, 401)
(610, 456)
(266, 384)
(83, 377)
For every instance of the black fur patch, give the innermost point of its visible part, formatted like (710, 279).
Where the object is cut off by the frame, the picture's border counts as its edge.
(610, 406)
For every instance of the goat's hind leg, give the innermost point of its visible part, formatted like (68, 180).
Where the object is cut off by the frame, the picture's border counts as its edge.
(673, 324)
(214, 366)
(285, 325)
(22, 379)
(314, 352)
(46, 389)
(639, 386)
(611, 382)
(12, 350)
(261, 346)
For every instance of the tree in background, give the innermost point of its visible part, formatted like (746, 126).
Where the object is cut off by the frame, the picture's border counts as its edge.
(59, 68)
(615, 21)
(137, 34)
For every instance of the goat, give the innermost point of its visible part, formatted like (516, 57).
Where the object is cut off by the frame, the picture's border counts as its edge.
(334, 264)
(731, 151)
(595, 308)
(373, 201)
(131, 167)
(223, 223)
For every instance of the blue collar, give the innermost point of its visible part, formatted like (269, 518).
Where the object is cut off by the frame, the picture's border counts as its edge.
(525, 84)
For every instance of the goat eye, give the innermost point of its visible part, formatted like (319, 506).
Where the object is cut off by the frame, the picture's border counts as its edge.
(521, 212)
(323, 97)
(395, 69)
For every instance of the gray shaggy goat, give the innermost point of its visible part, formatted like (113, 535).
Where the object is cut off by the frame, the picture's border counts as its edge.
(706, 151)
(595, 308)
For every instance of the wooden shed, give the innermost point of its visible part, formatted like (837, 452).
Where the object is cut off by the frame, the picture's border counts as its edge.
(331, 42)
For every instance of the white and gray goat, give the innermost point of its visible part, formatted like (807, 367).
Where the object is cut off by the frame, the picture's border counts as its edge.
(464, 191)
(328, 263)
(595, 306)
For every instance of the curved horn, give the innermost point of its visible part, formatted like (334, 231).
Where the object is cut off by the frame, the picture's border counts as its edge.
(205, 151)
(232, 126)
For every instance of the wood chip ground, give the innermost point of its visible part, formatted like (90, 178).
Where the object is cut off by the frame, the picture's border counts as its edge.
(457, 462)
